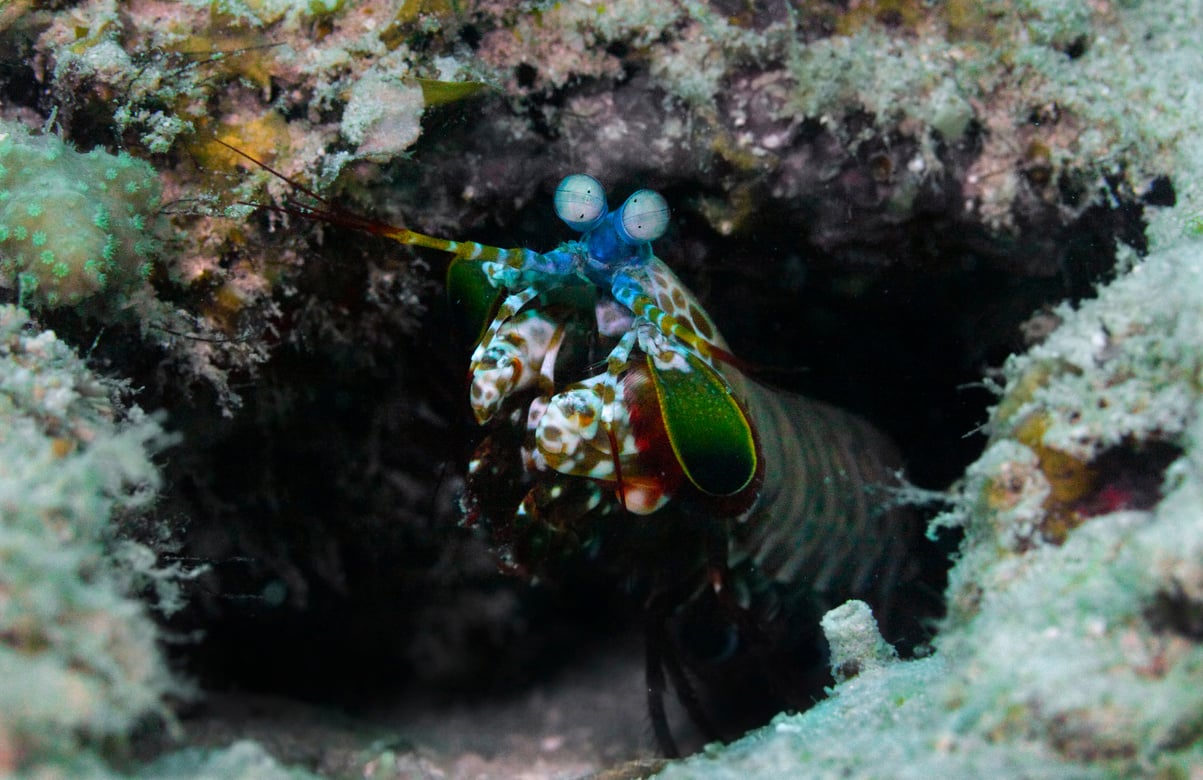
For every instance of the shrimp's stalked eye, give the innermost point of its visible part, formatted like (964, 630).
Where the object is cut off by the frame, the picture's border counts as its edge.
(581, 202)
(644, 217)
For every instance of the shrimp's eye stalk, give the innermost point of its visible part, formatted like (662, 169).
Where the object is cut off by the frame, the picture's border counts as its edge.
(643, 218)
(581, 202)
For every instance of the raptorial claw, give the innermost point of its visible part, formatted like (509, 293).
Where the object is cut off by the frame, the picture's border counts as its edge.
(568, 431)
(512, 362)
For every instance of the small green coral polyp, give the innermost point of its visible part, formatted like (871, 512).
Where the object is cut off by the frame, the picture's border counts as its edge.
(72, 225)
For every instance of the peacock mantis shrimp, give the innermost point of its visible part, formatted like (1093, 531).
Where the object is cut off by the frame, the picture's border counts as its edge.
(624, 432)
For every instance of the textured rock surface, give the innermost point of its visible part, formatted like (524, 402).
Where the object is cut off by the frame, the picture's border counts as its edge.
(897, 185)
(79, 662)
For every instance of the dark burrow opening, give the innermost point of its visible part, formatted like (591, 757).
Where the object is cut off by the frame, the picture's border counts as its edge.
(326, 508)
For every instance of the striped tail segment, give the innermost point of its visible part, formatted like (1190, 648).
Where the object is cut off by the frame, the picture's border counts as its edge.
(824, 519)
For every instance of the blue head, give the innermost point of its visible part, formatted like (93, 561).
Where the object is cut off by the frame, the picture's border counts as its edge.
(614, 238)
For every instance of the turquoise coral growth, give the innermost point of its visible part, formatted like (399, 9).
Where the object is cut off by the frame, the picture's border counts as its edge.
(72, 225)
(79, 661)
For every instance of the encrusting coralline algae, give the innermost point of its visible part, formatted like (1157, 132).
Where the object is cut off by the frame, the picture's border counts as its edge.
(1071, 644)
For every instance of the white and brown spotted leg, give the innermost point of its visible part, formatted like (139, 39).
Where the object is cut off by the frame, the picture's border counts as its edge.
(521, 355)
(510, 307)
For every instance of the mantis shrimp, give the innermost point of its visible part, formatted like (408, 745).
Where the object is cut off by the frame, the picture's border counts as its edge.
(623, 431)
